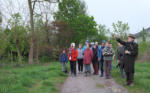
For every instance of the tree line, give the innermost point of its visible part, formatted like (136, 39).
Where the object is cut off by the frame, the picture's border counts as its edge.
(41, 38)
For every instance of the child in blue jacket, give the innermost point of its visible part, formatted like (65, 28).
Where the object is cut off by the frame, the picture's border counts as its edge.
(63, 60)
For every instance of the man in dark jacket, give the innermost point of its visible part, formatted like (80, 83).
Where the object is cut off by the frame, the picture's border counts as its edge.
(131, 52)
(120, 55)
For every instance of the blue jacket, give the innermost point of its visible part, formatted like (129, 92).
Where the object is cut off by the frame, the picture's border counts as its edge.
(84, 47)
(63, 58)
(99, 52)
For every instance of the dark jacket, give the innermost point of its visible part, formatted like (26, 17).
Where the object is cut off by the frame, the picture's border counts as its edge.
(120, 55)
(95, 55)
(63, 58)
(129, 59)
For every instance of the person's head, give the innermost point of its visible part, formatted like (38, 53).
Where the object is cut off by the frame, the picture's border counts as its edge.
(73, 45)
(110, 45)
(80, 46)
(131, 38)
(103, 42)
(96, 43)
(86, 42)
(64, 51)
(107, 44)
(88, 46)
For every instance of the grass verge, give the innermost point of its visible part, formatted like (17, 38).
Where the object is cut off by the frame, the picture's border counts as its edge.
(142, 78)
(46, 78)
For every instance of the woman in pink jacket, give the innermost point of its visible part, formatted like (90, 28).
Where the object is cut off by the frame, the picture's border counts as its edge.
(88, 55)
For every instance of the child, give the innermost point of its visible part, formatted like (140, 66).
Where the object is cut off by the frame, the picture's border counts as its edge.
(63, 60)
(108, 54)
(88, 55)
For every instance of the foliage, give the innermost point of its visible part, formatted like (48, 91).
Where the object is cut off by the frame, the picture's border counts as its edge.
(102, 33)
(121, 29)
(143, 34)
(73, 14)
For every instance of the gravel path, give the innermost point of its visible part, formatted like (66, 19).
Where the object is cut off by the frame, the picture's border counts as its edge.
(91, 84)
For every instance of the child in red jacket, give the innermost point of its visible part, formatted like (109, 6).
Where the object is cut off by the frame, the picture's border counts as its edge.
(88, 55)
(72, 56)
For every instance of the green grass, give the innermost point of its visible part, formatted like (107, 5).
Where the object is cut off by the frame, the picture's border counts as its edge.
(142, 78)
(46, 78)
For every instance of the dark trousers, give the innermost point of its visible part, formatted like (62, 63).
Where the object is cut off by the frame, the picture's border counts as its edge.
(107, 68)
(80, 65)
(73, 67)
(129, 77)
(101, 66)
(95, 67)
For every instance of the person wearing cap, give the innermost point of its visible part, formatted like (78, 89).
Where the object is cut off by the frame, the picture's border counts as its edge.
(72, 56)
(100, 57)
(108, 53)
(130, 54)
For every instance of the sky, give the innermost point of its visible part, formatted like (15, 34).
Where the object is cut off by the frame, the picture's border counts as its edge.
(105, 12)
(135, 12)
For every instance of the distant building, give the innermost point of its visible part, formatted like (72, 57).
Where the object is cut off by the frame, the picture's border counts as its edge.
(139, 37)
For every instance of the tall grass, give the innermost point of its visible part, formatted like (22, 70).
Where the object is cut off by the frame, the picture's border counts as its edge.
(142, 78)
(32, 79)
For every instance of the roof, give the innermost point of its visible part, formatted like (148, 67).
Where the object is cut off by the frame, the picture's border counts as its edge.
(139, 33)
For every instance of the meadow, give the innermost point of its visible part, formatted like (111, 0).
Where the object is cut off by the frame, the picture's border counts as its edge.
(142, 78)
(42, 78)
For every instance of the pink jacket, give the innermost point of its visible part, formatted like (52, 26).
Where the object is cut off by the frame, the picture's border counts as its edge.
(88, 55)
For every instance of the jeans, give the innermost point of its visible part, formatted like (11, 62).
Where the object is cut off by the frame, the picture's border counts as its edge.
(64, 66)
(108, 68)
(73, 67)
(80, 65)
(101, 66)
(87, 68)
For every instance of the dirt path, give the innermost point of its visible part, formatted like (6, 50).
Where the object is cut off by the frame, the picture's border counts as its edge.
(91, 84)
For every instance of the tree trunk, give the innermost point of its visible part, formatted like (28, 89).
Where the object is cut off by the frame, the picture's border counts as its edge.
(32, 32)
(18, 52)
(37, 53)
(11, 55)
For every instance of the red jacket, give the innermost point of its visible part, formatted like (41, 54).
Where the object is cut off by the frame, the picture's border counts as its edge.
(88, 55)
(73, 54)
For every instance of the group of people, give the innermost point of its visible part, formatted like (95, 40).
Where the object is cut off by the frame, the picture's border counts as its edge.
(99, 56)
(94, 54)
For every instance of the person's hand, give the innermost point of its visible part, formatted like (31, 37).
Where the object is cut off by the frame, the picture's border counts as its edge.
(115, 36)
(99, 59)
(127, 52)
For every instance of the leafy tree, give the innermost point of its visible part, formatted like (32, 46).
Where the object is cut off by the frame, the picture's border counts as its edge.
(102, 33)
(121, 29)
(17, 36)
(69, 10)
(143, 34)
(73, 13)
(85, 27)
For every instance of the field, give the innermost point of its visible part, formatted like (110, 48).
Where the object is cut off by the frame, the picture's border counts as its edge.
(142, 78)
(46, 78)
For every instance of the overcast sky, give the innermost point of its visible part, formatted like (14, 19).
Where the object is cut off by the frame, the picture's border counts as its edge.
(135, 12)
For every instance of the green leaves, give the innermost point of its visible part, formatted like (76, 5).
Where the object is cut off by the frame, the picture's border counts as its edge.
(121, 29)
